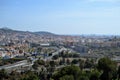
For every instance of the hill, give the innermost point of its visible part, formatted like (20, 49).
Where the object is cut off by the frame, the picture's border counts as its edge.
(9, 34)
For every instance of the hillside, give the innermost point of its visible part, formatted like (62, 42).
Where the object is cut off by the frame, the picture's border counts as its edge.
(9, 34)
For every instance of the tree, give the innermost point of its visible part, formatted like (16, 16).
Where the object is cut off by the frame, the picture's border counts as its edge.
(118, 72)
(3, 74)
(88, 64)
(114, 75)
(68, 61)
(94, 75)
(75, 55)
(52, 63)
(35, 65)
(67, 77)
(84, 78)
(14, 75)
(108, 67)
(81, 64)
(41, 62)
(75, 61)
(62, 61)
(68, 70)
(29, 75)
(55, 57)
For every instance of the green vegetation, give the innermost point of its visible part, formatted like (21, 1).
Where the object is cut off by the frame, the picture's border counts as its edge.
(29, 75)
(9, 61)
(106, 69)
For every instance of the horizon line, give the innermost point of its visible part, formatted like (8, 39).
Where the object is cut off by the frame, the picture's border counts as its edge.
(83, 34)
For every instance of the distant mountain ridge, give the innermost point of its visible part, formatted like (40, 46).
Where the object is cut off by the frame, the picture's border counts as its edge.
(38, 32)
(7, 34)
(44, 33)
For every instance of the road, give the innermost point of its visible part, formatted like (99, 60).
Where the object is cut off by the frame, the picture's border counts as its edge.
(55, 53)
(25, 62)
(17, 64)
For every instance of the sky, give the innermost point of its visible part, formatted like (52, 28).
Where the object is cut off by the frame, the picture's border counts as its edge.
(62, 16)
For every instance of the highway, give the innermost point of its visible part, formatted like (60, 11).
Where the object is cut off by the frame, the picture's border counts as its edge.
(25, 62)
(55, 53)
(17, 64)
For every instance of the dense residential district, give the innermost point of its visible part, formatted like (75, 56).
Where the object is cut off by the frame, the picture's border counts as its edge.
(28, 55)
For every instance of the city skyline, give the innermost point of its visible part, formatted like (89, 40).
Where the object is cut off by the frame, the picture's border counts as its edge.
(62, 16)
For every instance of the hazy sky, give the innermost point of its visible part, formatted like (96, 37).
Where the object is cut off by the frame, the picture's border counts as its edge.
(62, 16)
